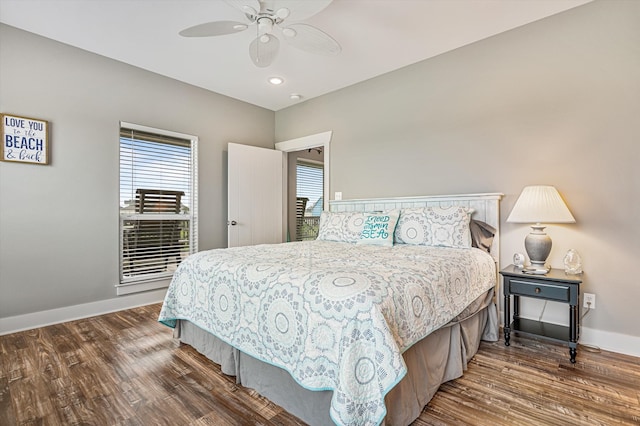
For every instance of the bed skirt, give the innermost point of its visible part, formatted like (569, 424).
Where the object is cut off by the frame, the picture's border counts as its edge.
(441, 356)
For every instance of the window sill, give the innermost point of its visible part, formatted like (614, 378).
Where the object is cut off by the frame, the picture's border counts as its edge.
(137, 287)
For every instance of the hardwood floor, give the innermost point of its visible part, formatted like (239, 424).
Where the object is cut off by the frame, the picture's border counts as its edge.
(124, 368)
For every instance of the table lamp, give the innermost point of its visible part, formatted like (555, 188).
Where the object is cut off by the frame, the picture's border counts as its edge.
(539, 204)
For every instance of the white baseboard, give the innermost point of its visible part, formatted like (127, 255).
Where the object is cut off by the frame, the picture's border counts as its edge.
(607, 340)
(69, 313)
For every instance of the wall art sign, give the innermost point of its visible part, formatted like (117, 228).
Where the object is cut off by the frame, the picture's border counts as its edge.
(24, 139)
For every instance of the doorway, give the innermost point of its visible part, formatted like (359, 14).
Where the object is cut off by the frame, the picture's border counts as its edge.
(313, 149)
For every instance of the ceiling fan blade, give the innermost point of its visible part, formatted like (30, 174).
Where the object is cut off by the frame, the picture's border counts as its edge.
(299, 10)
(215, 28)
(262, 53)
(311, 39)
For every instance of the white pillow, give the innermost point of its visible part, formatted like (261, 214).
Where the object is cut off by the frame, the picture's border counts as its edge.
(379, 228)
(343, 227)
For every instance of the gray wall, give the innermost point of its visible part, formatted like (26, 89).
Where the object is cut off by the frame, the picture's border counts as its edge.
(59, 223)
(554, 102)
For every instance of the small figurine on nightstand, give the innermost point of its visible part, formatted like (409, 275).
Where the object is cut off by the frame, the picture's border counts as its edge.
(572, 263)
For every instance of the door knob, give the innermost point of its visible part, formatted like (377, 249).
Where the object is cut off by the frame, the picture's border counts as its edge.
(232, 223)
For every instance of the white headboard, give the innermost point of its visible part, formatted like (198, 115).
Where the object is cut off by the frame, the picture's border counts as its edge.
(486, 208)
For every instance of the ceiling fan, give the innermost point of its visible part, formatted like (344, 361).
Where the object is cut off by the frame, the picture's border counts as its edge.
(269, 16)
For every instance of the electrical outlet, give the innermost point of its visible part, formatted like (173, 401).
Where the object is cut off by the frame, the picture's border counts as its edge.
(589, 300)
(338, 196)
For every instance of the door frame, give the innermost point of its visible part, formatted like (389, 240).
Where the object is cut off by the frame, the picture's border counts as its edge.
(312, 141)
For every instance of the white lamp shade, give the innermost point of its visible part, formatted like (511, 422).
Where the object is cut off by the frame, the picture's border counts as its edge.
(540, 204)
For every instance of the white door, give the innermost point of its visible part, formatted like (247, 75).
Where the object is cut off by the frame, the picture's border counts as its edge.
(255, 195)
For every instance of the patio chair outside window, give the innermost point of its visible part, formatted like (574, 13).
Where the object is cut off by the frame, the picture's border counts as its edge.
(153, 243)
(301, 206)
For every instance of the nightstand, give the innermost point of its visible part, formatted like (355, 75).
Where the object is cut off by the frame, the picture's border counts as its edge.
(555, 286)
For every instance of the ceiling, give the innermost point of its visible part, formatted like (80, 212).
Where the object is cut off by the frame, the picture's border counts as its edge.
(377, 36)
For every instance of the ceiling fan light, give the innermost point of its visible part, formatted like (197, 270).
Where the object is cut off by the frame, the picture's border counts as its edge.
(265, 25)
(261, 53)
(289, 32)
(264, 38)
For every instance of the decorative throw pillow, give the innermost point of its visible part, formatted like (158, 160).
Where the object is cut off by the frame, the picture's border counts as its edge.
(481, 235)
(449, 227)
(413, 227)
(378, 228)
(343, 227)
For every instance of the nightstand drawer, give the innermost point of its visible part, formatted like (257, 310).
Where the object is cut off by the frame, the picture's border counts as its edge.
(545, 291)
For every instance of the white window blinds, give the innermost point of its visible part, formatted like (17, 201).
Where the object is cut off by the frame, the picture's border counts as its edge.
(158, 202)
(309, 184)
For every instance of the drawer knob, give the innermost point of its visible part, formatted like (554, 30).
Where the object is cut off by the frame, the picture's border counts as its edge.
(538, 290)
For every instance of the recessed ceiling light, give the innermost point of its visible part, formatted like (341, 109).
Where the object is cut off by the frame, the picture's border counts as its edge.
(276, 80)
(295, 97)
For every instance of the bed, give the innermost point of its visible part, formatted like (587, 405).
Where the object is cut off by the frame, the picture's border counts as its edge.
(358, 327)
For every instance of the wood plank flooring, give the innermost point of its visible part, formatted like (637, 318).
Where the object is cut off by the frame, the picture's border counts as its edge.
(124, 368)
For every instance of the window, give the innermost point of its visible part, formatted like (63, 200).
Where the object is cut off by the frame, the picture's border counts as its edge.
(158, 205)
(309, 193)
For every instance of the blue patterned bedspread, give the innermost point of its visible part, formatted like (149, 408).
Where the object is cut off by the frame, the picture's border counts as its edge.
(337, 316)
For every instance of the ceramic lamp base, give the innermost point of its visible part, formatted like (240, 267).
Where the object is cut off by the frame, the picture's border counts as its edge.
(538, 246)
